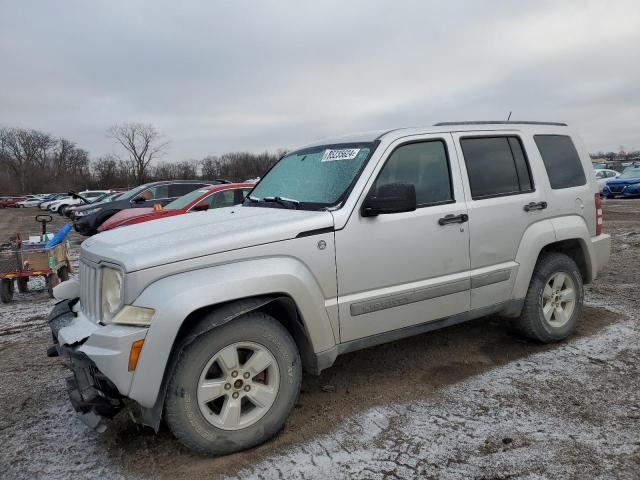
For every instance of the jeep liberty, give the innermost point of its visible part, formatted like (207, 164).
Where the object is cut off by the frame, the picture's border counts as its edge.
(207, 320)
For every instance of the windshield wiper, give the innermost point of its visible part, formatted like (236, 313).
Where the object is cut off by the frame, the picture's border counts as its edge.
(285, 202)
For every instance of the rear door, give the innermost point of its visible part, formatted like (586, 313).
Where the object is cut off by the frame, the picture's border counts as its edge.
(504, 199)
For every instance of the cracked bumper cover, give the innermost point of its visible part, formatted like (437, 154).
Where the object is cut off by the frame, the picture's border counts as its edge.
(97, 357)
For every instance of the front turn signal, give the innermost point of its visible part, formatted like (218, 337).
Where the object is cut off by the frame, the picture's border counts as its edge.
(134, 355)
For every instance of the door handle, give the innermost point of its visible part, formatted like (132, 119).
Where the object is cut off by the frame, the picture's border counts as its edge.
(535, 206)
(453, 219)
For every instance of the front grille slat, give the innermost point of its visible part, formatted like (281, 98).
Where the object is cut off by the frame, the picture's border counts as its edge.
(89, 294)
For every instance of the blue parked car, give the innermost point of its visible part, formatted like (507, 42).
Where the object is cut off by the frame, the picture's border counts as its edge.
(626, 185)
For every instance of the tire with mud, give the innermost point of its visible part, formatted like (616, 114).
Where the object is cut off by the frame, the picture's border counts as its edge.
(554, 300)
(234, 386)
(6, 290)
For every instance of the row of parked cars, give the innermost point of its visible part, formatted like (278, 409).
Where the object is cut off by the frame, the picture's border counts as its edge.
(94, 211)
(613, 183)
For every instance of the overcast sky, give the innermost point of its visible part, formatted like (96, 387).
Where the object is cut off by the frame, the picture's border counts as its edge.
(218, 76)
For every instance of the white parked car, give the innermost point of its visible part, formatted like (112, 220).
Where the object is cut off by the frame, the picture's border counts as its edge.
(68, 201)
(603, 175)
(31, 201)
(207, 320)
(45, 205)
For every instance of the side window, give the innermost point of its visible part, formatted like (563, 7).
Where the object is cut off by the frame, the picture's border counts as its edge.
(561, 160)
(226, 198)
(601, 174)
(180, 189)
(156, 192)
(496, 166)
(423, 164)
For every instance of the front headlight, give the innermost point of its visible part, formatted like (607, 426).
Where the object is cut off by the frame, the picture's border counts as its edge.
(135, 316)
(84, 213)
(111, 299)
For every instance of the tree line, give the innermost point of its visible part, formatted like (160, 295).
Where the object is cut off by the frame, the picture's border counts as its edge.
(32, 161)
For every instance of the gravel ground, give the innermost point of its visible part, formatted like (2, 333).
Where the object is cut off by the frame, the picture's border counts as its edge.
(471, 401)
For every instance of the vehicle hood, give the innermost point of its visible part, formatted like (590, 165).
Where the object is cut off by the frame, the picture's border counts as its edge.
(124, 215)
(624, 181)
(181, 237)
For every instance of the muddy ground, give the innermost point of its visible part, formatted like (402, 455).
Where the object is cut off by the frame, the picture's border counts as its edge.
(470, 401)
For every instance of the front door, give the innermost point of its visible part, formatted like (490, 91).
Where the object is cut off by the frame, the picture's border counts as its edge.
(403, 269)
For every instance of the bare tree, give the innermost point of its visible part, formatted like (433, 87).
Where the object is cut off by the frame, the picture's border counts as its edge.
(25, 153)
(143, 142)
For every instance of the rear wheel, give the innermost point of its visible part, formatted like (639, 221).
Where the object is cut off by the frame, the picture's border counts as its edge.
(6, 290)
(63, 273)
(51, 282)
(554, 301)
(234, 386)
(23, 284)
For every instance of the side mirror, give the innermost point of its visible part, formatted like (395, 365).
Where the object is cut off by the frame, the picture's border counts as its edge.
(200, 207)
(390, 198)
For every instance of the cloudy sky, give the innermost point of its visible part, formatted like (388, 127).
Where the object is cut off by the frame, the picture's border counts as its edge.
(216, 76)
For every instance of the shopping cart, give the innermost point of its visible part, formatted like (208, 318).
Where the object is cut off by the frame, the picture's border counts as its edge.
(21, 260)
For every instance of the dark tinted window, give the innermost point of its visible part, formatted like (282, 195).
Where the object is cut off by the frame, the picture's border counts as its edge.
(180, 189)
(561, 161)
(496, 166)
(424, 165)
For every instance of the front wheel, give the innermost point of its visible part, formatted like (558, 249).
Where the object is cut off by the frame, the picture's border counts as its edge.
(234, 386)
(554, 300)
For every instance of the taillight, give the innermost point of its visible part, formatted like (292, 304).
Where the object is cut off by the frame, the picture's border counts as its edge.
(598, 201)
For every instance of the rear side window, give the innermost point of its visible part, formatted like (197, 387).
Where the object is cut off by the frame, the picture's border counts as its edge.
(561, 160)
(423, 164)
(180, 189)
(496, 166)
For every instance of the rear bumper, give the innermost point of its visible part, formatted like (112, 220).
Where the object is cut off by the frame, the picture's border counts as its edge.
(601, 248)
(97, 357)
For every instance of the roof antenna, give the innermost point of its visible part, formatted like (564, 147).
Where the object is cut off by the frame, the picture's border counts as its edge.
(509, 117)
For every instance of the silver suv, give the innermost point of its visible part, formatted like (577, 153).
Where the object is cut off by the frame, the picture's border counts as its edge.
(208, 319)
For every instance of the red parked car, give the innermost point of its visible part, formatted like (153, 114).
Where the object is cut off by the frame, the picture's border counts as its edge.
(10, 201)
(216, 196)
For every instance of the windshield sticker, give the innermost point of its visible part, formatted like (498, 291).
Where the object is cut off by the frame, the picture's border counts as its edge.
(343, 154)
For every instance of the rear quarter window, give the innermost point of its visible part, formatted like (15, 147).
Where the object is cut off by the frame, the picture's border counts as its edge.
(561, 161)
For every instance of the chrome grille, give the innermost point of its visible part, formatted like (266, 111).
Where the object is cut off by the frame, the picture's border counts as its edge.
(616, 188)
(90, 291)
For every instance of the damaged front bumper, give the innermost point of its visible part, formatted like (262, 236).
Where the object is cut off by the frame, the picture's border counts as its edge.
(97, 357)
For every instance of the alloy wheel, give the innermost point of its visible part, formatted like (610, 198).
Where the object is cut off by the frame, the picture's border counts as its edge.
(558, 299)
(238, 385)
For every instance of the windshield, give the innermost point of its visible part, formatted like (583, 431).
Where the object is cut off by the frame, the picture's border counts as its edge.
(630, 173)
(184, 200)
(317, 177)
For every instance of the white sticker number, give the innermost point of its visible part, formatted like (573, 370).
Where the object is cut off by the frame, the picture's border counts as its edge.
(342, 154)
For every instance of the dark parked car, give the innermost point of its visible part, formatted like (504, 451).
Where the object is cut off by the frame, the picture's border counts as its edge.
(90, 217)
